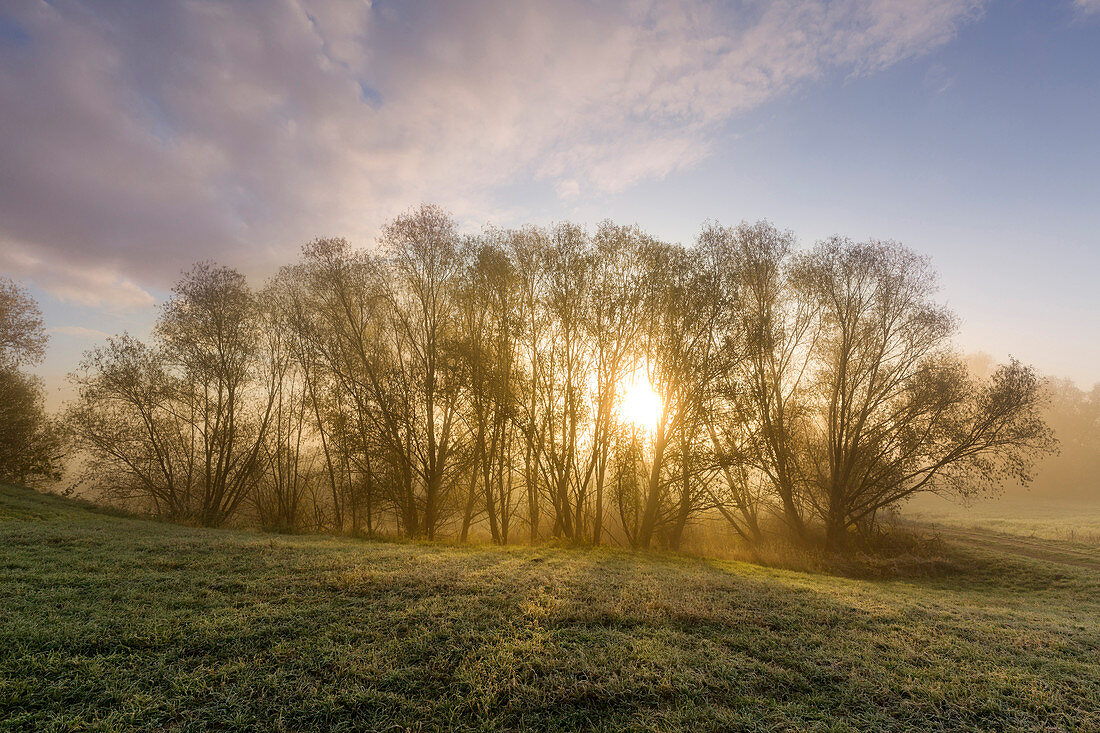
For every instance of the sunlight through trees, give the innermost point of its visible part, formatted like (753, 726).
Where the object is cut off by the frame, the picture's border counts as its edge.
(554, 382)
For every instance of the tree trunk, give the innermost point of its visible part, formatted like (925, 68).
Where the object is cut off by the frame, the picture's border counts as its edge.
(653, 491)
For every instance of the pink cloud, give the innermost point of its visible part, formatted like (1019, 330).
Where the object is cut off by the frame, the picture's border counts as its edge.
(140, 138)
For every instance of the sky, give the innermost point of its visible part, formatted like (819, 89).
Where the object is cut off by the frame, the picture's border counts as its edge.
(137, 138)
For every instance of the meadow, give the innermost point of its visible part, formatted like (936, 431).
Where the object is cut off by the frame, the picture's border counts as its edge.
(116, 623)
(1070, 521)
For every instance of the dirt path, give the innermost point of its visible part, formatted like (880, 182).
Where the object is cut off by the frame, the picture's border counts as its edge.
(1055, 551)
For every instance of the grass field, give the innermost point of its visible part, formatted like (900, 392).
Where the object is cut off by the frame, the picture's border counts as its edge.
(110, 623)
(1072, 522)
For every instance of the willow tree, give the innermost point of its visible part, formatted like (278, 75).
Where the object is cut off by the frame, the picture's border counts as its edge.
(420, 289)
(30, 445)
(289, 460)
(528, 249)
(490, 376)
(133, 429)
(210, 331)
(684, 314)
(22, 336)
(294, 308)
(895, 410)
(384, 335)
(335, 304)
(181, 423)
(613, 318)
(758, 420)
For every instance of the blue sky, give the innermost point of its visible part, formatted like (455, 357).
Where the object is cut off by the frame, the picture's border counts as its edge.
(985, 155)
(137, 139)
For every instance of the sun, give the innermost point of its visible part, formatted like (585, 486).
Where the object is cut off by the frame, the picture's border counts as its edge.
(640, 403)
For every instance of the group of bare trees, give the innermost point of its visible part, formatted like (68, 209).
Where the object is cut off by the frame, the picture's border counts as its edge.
(185, 424)
(440, 383)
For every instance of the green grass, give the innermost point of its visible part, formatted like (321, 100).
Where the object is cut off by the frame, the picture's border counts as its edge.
(1072, 522)
(110, 623)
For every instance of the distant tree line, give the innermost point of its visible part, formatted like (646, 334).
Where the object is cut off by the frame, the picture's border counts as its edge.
(1074, 416)
(442, 382)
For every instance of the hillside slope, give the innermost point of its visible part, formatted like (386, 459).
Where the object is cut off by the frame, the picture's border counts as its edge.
(114, 623)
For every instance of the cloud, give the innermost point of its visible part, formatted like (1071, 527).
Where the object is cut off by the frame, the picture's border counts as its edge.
(93, 285)
(139, 138)
(1088, 6)
(80, 332)
(567, 188)
(938, 79)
